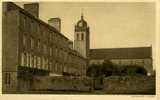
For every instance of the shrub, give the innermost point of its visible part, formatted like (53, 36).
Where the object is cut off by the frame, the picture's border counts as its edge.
(109, 69)
(132, 70)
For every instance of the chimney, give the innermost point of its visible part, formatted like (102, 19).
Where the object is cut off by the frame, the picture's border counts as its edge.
(56, 23)
(32, 8)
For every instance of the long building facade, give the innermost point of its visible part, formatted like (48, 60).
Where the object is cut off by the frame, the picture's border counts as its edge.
(32, 47)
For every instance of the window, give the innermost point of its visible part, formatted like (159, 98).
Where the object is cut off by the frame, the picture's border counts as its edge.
(60, 67)
(24, 22)
(82, 37)
(65, 69)
(43, 31)
(43, 63)
(24, 41)
(35, 59)
(31, 61)
(32, 26)
(30, 64)
(27, 61)
(50, 51)
(56, 66)
(23, 59)
(36, 27)
(77, 36)
(39, 62)
(44, 49)
(53, 36)
(53, 66)
(46, 66)
(56, 52)
(32, 43)
(7, 78)
(50, 36)
(40, 30)
(50, 66)
(38, 44)
(59, 53)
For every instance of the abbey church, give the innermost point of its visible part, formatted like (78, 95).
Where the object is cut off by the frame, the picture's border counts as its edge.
(141, 56)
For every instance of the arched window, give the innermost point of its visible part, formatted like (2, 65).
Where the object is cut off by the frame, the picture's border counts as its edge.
(27, 61)
(46, 67)
(43, 65)
(35, 60)
(39, 62)
(22, 59)
(31, 60)
(82, 37)
(77, 36)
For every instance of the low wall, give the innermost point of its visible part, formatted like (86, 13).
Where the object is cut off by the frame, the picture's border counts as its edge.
(129, 85)
(61, 83)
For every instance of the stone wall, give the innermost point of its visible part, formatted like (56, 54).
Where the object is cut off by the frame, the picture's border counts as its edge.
(61, 83)
(129, 85)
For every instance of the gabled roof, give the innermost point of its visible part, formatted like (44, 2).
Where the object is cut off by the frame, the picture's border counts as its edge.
(121, 53)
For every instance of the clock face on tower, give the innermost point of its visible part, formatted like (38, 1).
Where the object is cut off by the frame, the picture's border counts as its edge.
(80, 24)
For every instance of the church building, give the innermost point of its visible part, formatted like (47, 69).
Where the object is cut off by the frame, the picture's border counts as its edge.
(141, 56)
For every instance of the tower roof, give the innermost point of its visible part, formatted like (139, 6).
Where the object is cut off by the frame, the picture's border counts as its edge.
(82, 22)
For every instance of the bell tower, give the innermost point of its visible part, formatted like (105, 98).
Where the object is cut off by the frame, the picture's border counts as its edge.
(81, 37)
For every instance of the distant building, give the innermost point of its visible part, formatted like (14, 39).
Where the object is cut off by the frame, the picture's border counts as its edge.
(31, 47)
(141, 56)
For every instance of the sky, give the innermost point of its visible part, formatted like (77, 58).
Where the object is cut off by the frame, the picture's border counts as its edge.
(112, 25)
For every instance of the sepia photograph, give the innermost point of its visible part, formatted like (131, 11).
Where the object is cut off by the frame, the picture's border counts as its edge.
(79, 48)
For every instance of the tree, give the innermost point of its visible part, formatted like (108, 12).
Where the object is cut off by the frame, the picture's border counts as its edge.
(94, 70)
(108, 68)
